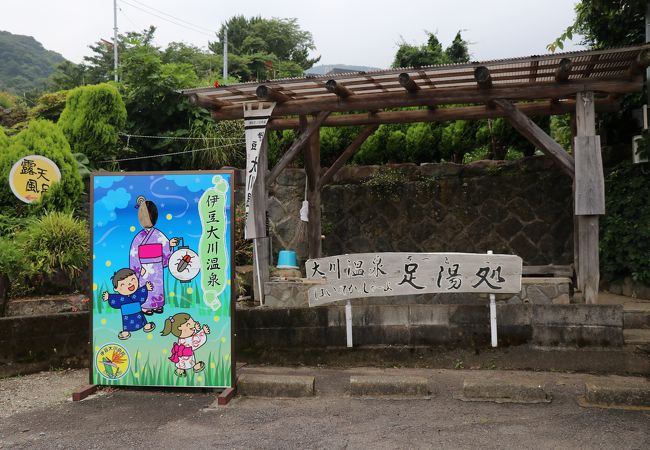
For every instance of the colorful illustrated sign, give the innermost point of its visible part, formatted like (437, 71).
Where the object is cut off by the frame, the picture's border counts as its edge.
(162, 279)
(31, 176)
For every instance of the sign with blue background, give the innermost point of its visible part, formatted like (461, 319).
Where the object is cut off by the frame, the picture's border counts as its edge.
(162, 279)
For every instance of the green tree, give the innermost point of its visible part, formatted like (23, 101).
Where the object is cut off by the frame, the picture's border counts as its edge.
(49, 106)
(41, 137)
(67, 75)
(431, 53)
(606, 23)
(458, 51)
(92, 118)
(4, 141)
(254, 42)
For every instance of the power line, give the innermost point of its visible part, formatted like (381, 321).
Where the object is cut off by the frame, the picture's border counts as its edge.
(191, 28)
(172, 16)
(160, 155)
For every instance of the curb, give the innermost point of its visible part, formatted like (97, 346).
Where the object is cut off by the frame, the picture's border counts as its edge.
(389, 386)
(512, 390)
(617, 394)
(259, 385)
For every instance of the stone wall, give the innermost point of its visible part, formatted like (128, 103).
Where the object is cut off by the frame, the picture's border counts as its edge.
(520, 207)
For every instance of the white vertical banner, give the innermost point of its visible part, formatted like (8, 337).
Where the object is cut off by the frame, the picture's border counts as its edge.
(255, 118)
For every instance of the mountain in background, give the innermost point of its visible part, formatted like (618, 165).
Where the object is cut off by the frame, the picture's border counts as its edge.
(24, 63)
(332, 69)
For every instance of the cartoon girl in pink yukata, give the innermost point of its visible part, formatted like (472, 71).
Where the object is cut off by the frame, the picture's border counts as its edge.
(149, 255)
(190, 336)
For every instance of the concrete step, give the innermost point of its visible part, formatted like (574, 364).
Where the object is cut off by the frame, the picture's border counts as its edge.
(505, 389)
(262, 385)
(636, 318)
(388, 385)
(618, 392)
(636, 337)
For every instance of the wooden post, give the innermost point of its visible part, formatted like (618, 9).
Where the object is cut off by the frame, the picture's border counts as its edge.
(261, 245)
(576, 226)
(312, 170)
(589, 195)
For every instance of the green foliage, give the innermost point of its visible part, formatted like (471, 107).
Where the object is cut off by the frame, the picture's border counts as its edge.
(457, 138)
(606, 23)
(4, 141)
(255, 40)
(561, 131)
(7, 100)
(422, 142)
(243, 247)
(49, 106)
(279, 142)
(25, 63)
(66, 76)
(91, 120)
(395, 146)
(224, 139)
(432, 53)
(386, 184)
(49, 254)
(625, 229)
(41, 137)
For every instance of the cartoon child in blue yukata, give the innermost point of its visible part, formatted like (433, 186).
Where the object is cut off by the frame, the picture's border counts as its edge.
(129, 300)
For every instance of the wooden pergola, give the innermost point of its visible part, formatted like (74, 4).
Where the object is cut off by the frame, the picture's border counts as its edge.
(580, 83)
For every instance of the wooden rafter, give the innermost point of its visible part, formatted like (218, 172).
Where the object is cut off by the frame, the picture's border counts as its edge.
(408, 83)
(563, 71)
(346, 155)
(483, 77)
(442, 114)
(439, 96)
(296, 146)
(337, 88)
(266, 93)
(537, 136)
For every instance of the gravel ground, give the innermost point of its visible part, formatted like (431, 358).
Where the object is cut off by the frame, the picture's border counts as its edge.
(39, 390)
(130, 418)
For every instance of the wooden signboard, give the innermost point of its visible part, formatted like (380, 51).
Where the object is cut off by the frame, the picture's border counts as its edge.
(385, 274)
(162, 305)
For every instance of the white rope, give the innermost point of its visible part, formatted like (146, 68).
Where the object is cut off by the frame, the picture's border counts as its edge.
(168, 154)
(180, 138)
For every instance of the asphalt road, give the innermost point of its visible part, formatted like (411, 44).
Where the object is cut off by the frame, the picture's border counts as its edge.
(129, 418)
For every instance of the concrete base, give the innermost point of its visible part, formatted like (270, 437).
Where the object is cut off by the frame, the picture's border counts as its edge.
(506, 389)
(386, 385)
(616, 391)
(259, 385)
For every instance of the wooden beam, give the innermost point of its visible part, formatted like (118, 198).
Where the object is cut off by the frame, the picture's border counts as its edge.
(408, 83)
(563, 71)
(483, 77)
(271, 95)
(207, 102)
(639, 65)
(588, 266)
(288, 156)
(442, 114)
(312, 170)
(346, 155)
(537, 136)
(338, 89)
(438, 96)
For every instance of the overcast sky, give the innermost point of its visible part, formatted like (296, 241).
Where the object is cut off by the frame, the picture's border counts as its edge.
(345, 32)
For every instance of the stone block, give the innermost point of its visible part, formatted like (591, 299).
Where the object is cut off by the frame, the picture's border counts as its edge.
(388, 385)
(562, 299)
(505, 389)
(577, 335)
(285, 294)
(580, 315)
(618, 391)
(261, 385)
(428, 315)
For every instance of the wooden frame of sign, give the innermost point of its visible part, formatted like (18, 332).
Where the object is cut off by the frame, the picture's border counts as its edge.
(185, 290)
